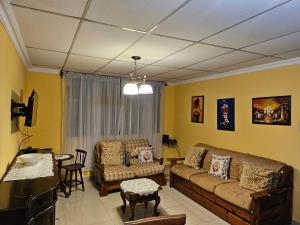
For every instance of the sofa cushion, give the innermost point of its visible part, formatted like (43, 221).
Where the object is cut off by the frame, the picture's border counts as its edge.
(117, 172)
(219, 166)
(234, 194)
(208, 182)
(194, 157)
(145, 154)
(147, 169)
(132, 151)
(186, 172)
(112, 152)
(256, 178)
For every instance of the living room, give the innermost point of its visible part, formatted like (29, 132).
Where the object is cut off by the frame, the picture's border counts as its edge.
(224, 75)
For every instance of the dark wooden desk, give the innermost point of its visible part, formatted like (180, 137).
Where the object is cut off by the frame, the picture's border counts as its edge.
(29, 202)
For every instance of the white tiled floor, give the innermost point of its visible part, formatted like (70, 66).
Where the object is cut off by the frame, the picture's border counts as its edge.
(88, 208)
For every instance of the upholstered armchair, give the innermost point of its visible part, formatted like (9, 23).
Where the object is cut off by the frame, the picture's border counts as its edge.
(110, 167)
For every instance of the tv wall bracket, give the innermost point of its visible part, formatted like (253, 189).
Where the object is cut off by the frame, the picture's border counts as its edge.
(17, 109)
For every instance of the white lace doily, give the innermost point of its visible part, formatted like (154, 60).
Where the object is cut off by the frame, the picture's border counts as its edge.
(142, 186)
(44, 168)
(60, 157)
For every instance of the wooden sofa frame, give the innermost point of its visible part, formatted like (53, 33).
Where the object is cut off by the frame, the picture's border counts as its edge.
(272, 206)
(106, 187)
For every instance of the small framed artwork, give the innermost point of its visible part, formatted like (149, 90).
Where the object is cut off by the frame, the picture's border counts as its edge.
(272, 110)
(225, 114)
(197, 112)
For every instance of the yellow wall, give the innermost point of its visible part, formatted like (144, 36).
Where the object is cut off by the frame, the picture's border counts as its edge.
(276, 142)
(47, 131)
(168, 121)
(12, 78)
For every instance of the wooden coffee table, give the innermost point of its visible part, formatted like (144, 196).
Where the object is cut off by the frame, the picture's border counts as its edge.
(139, 195)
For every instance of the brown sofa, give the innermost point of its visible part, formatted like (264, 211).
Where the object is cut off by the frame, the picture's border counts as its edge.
(228, 200)
(109, 177)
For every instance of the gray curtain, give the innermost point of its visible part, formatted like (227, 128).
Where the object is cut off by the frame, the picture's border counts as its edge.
(95, 108)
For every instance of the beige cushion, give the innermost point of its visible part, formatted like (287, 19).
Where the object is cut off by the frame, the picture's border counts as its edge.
(117, 172)
(256, 178)
(147, 169)
(233, 193)
(208, 182)
(131, 146)
(186, 171)
(194, 157)
(111, 152)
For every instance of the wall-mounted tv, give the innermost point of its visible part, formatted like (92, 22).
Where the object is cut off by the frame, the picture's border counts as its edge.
(29, 111)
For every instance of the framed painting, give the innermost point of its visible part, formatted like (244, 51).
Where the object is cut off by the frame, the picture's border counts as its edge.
(272, 110)
(197, 112)
(225, 114)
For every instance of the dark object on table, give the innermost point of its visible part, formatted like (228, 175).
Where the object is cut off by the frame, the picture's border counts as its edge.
(179, 219)
(171, 143)
(75, 168)
(59, 159)
(30, 201)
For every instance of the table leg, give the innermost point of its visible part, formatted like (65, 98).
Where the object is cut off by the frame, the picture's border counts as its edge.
(123, 207)
(62, 186)
(132, 206)
(157, 201)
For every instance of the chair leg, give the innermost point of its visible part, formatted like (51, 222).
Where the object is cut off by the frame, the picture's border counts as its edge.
(76, 178)
(70, 182)
(66, 176)
(82, 183)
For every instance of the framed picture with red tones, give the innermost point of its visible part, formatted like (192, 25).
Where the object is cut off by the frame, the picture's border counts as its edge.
(197, 111)
(272, 110)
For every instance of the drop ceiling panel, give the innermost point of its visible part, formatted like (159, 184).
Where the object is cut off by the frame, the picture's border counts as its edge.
(119, 67)
(225, 60)
(45, 30)
(66, 7)
(46, 58)
(154, 70)
(84, 64)
(152, 48)
(178, 73)
(134, 14)
(102, 41)
(289, 55)
(278, 45)
(250, 63)
(191, 55)
(199, 19)
(277, 22)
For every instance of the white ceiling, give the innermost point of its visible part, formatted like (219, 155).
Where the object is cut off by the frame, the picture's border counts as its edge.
(177, 39)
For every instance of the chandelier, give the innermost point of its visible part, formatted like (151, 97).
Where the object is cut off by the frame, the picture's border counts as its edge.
(132, 88)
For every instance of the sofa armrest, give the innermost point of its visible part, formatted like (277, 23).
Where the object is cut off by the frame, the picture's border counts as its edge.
(160, 160)
(268, 193)
(174, 160)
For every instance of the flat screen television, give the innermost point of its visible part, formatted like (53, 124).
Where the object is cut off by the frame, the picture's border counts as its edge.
(31, 109)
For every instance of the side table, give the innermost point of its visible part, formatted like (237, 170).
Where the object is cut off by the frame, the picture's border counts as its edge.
(139, 191)
(59, 158)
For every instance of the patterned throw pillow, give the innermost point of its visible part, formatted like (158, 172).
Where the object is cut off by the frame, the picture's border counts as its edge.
(219, 166)
(145, 154)
(111, 153)
(256, 178)
(194, 157)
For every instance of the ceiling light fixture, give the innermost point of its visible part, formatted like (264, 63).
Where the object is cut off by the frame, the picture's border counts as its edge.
(131, 87)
